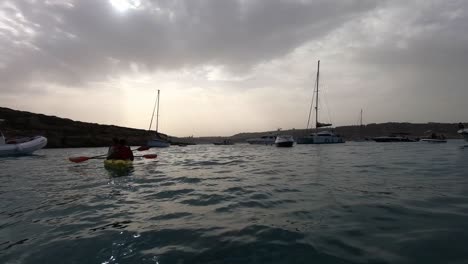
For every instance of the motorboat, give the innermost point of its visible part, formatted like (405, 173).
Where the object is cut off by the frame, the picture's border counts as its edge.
(284, 141)
(464, 133)
(224, 142)
(434, 138)
(263, 140)
(21, 146)
(324, 137)
(393, 139)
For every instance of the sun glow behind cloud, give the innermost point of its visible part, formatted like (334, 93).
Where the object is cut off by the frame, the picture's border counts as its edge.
(225, 67)
(124, 5)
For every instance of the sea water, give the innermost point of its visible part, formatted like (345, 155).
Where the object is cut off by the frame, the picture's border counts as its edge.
(345, 203)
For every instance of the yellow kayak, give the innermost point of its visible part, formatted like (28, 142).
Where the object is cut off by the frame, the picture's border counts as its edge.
(118, 164)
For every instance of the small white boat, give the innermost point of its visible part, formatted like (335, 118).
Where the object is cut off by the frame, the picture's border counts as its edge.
(284, 141)
(24, 146)
(263, 140)
(464, 133)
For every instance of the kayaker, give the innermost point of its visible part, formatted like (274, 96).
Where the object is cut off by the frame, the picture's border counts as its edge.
(112, 151)
(124, 152)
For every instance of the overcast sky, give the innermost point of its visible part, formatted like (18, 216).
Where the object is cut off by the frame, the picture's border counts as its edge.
(229, 66)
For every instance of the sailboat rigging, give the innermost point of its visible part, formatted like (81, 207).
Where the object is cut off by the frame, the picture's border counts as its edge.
(157, 141)
(324, 137)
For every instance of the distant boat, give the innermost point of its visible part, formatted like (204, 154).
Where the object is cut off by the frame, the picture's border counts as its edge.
(395, 137)
(224, 142)
(434, 138)
(284, 141)
(157, 141)
(324, 137)
(464, 133)
(263, 140)
(361, 127)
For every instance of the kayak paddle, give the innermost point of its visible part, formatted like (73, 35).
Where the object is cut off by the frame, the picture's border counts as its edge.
(83, 158)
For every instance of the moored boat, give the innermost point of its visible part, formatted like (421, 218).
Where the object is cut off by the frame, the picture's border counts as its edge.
(157, 141)
(263, 140)
(323, 137)
(395, 137)
(24, 146)
(433, 140)
(464, 133)
(284, 141)
(224, 142)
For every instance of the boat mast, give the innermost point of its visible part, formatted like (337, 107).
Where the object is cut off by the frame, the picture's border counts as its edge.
(157, 115)
(316, 97)
(156, 103)
(360, 120)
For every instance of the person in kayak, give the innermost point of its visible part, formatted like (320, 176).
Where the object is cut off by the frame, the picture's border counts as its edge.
(113, 149)
(123, 151)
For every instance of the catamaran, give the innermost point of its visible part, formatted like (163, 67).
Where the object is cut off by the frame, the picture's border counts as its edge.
(157, 141)
(323, 137)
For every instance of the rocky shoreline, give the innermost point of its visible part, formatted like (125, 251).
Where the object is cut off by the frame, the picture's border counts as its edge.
(66, 133)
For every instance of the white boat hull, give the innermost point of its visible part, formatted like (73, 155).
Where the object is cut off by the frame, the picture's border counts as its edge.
(157, 143)
(284, 141)
(24, 148)
(464, 133)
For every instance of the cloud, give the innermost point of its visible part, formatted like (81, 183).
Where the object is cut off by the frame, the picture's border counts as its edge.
(255, 60)
(77, 42)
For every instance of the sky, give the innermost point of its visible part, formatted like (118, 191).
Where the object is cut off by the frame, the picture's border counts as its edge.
(230, 66)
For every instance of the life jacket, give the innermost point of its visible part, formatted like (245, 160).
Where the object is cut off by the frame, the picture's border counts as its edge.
(124, 153)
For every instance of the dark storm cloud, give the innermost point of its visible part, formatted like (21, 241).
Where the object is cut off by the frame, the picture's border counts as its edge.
(77, 42)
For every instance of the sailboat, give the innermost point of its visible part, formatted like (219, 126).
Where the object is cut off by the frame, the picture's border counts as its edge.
(361, 127)
(323, 137)
(157, 141)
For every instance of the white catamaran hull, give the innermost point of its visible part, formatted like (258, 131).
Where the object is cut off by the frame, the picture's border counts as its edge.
(158, 143)
(24, 148)
(321, 138)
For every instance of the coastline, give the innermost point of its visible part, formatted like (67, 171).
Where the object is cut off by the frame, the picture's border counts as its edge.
(67, 133)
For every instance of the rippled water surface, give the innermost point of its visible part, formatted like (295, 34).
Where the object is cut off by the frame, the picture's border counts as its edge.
(347, 203)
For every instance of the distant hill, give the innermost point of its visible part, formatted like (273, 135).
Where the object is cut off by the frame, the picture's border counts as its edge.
(369, 131)
(64, 133)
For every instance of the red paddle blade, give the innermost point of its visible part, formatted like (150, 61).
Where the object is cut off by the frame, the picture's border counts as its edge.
(78, 159)
(150, 156)
(143, 148)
